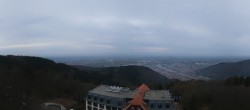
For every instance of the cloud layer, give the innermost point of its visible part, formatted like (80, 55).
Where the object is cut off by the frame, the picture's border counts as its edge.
(125, 27)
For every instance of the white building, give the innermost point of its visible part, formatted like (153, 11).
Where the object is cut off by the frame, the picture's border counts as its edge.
(118, 98)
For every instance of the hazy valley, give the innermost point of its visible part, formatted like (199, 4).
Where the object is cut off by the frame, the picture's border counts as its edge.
(28, 82)
(182, 68)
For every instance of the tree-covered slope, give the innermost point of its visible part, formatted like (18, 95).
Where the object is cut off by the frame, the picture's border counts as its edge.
(225, 70)
(29, 81)
(26, 82)
(133, 75)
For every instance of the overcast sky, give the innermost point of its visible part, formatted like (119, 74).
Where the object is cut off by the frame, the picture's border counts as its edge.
(125, 27)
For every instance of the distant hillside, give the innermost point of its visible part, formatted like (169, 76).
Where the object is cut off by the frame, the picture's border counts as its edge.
(27, 81)
(127, 75)
(226, 70)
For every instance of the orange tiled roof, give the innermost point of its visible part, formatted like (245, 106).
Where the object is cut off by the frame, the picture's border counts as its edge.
(138, 98)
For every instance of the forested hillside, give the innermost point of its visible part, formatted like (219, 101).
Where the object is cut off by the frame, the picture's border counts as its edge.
(226, 70)
(130, 76)
(26, 82)
(230, 94)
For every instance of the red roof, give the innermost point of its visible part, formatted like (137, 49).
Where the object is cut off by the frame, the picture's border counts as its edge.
(138, 98)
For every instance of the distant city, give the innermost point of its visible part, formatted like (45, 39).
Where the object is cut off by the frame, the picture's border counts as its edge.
(181, 68)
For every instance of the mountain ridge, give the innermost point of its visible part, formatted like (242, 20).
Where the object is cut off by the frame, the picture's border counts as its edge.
(35, 80)
(226, 70)
(127, 75)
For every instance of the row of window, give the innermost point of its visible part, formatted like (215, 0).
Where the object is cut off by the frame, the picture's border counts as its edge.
(152, 105)
(119, 103)
(159, 105)
(101, 108)
(101, 99)
(100, 105)
(95, 98)
(96, 104)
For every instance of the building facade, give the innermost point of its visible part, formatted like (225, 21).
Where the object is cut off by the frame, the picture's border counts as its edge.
(119, 98)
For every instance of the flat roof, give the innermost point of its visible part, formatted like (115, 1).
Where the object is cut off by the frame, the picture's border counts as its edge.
(157, 95)
(126, 93)
(105, 91)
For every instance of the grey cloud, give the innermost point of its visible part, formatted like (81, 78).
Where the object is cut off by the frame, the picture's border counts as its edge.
(124, 27)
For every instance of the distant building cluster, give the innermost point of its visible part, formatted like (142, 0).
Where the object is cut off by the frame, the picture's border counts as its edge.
(106, 97)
